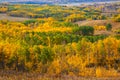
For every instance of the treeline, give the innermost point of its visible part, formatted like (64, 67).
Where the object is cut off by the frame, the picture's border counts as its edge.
(61, 13)
(57, 38)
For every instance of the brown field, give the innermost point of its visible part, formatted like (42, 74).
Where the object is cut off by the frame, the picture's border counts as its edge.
(10, 18)
(115, 25)
(11, 75)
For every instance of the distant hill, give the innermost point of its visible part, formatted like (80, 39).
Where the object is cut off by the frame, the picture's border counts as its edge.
(53, 1)
(115, 25)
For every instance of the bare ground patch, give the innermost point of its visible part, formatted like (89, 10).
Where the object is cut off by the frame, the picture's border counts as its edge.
(13, 75)
(10, 18)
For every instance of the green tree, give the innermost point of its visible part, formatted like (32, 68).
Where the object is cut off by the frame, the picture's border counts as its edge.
(84, 30)
(46, 55)
(117, 18)
(109, 26)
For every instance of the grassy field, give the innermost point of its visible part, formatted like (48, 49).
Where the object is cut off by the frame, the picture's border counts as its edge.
(115, 25)
(32, 76)
(11, 75)
(10, 18)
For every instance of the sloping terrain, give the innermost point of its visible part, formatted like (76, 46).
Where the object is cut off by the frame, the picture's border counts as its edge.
(10, 18)
(115, 25)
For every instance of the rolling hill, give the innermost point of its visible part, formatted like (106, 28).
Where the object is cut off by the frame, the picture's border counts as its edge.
(115, 25)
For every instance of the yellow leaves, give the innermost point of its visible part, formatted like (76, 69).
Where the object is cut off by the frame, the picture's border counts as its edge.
(14, 28)
(8, 49)
(117, 19)
(1, 48)
(99, 28)
(28, 65)
(3, 9)
(17, 6)
(50, 19)
(52, 29)
(111, 47)
(100, 47)
(16, 24)
(102, 72)
(74, 18)
(74, 45)
(38, 9)
(84, 47)
(74, 61)
(87, 9)
(55, 67)
(71, 48)
(99, 72)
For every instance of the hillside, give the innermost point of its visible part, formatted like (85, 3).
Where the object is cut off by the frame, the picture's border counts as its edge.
(115, 25)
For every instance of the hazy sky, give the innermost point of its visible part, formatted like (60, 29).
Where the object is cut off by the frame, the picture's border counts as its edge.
(54, 0)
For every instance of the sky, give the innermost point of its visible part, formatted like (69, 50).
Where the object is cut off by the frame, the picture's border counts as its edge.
(51, 0)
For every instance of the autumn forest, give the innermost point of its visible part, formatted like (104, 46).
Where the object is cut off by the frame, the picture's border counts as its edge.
(55, 41)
